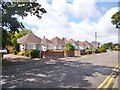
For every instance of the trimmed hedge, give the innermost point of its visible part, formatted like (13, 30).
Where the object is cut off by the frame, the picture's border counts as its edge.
(35, 54)
(32, 53)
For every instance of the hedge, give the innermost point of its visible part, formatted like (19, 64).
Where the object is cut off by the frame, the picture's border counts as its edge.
(89, 51)
(35, 54)
(32, 53)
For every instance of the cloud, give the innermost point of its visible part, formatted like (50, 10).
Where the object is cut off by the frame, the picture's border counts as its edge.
(55, 21)
(84, 8)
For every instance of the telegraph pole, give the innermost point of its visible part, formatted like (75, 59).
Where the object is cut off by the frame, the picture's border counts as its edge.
(95, 39)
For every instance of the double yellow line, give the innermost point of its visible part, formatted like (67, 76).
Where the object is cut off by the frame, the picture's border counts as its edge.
(108, 81)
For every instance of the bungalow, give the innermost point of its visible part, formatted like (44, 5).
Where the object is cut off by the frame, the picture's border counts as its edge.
(58, 43)
(29, 41)
(74, 43)
(81, 45)
(88, 45)
(46, 44)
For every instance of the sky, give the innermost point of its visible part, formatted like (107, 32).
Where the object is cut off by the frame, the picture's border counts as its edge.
(75, 19)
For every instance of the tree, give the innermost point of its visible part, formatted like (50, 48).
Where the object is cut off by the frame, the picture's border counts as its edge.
(22, 33)
(67, 48)
(9, 9)
(9, 23)
(116, 19)
(107, 45)
(12, 39)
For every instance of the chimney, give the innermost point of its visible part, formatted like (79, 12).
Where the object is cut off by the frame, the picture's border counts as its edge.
(63, 39)
(44, 37)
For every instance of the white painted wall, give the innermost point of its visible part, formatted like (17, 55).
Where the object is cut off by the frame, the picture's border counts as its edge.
(22, 47)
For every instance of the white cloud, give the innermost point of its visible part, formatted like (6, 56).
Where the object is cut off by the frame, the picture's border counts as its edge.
(55, 23)
(84, 8)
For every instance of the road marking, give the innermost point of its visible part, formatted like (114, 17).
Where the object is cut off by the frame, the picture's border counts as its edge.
(115, 84)
(108, 80)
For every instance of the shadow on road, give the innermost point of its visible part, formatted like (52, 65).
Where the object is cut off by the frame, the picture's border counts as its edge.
(37, 74)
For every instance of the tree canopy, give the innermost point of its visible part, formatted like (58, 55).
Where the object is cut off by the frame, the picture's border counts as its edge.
(9, 9)
(68, 47)
(9, 24)
(116, 19)
(108, 45)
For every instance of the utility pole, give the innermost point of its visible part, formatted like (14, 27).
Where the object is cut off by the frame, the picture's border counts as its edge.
(95, 39)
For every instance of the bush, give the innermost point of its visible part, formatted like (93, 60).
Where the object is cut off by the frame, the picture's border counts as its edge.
(68, 47)
(117, 48)
(35, 54)
(88, 51)
(10, 49)
(102, 49)
(21, 53)
(97, 50)
(15, 52)
(27, 53)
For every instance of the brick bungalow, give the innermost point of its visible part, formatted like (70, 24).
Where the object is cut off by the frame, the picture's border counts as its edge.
(58, 43)
(87, 45)
(29, 41)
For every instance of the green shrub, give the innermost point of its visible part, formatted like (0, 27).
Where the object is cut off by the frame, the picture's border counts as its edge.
(27, 53)
(15, 52)
(102, 49)
(35, 54)
(88, 51)
(10, 49)
(96, 50)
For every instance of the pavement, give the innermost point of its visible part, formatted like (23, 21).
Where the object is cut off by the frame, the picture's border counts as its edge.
(76, 72)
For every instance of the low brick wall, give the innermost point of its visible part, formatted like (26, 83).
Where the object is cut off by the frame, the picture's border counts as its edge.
(71, 54)
(77, 52)
(53, 53)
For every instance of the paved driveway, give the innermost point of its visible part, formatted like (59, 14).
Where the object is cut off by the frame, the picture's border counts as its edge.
(80, 72)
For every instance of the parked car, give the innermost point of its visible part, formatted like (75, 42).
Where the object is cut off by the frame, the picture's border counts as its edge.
(3, 50)
(83, 51)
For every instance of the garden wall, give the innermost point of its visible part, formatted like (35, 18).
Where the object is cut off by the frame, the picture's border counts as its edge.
(53, 53)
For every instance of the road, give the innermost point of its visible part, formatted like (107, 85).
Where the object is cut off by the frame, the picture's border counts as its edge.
(80, 72)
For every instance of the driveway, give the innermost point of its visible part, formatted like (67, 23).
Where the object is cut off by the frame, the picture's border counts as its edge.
(80, 72)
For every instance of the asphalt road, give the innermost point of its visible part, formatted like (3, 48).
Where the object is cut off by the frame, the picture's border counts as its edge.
(79, 72)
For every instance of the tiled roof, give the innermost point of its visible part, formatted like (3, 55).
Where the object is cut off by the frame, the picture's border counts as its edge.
(46, 41)
(29, 38)
(80, 43)
(57, 41)
(86, 43)
(71, 41)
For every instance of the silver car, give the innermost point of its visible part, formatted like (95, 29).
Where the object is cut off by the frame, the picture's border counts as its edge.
(3, 50)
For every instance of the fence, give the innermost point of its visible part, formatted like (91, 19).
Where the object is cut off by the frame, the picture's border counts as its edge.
(59, 53)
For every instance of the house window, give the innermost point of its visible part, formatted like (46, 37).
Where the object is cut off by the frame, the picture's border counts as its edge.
(30, 46)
